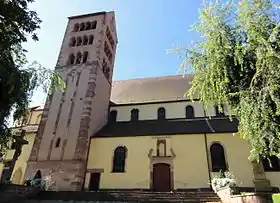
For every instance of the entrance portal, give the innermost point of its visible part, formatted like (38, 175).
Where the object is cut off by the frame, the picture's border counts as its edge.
(161, 177)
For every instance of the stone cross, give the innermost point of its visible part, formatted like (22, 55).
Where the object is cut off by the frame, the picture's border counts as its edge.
(19, 143)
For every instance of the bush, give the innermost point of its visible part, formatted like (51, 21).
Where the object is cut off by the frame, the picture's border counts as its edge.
(276, 198)
(223, 179)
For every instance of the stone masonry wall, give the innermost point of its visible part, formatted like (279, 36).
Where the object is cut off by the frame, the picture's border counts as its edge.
(73, 116)
(66, 175)
(82, 145)
(38, 138)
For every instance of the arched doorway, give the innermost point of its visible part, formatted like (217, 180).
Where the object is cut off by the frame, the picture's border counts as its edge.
(161, 177)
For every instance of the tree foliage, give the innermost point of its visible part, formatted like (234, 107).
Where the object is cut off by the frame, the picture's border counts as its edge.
(18, 79)
(237, 63)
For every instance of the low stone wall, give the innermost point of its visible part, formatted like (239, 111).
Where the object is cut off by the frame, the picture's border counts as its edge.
(10, 192)
(256, 198)
(65, 175)
(227, 196)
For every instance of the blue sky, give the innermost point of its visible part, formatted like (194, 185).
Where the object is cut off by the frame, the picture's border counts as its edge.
(146, 29)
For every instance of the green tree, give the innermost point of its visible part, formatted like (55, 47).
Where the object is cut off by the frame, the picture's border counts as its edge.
(237, 63)
(18, 79)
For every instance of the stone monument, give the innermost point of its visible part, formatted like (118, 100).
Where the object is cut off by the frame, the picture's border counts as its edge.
(19, 143)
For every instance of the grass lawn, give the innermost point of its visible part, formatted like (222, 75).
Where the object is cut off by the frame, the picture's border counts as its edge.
(276, 198)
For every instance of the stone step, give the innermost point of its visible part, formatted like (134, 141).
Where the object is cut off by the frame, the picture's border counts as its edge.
(61, 201)
(151, 195)
(115, 201)
(130, 196)
(159, 196)
(159, 193)
(11, 193)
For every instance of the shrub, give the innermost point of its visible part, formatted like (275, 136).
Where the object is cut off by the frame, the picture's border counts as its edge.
(223, 179)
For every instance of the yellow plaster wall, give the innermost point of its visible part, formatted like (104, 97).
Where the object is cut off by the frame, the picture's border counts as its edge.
(190, 165)
(172, 110)
(149, 111)
(137, 162)
(35, 117)
(274, 177)
(236, 152)
(1, 168)
(23, 158)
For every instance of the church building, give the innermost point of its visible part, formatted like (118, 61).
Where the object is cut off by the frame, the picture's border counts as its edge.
(132, 134)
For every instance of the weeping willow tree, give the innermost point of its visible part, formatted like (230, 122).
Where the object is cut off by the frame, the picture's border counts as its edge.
(237, 63)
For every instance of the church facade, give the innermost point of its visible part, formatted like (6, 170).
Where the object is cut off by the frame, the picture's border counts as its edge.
(30, 126)
(132, 134)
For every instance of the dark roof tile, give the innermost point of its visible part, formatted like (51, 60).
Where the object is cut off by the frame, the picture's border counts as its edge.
(168, 127)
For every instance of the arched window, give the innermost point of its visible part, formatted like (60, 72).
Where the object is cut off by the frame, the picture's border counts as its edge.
(71, 59)
(161, 147)
(119, 160)
(113, 116)
(85, 40)
(90, 39)
(57, 143)
(76, 27)
(274, 163)
(79, 41)
(72, 42)
(93, 25)
(88, 26)
(161, 113)
(82, 26)
(218, 113)
(78, 58)
(85, 56)
(189, 112)
(218, 158)
(134, 115)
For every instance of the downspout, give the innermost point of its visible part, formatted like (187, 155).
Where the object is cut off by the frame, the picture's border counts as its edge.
(207, 159)
(206, 148)
(86, 164)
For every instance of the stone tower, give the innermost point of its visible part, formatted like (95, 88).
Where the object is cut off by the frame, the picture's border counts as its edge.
(86, 62)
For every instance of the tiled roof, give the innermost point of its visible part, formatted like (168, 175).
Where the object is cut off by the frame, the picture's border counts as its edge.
(158, 89)
(41, 107)
(168, 127)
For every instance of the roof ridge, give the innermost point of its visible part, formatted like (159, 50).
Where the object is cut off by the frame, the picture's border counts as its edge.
(155, 77)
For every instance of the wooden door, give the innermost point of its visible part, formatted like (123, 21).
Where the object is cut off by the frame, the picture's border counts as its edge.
(94, 181)
(161, 177)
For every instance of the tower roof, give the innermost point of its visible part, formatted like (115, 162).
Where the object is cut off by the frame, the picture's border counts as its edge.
(87, 15)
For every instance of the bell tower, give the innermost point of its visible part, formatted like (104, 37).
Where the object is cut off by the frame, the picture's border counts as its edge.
(86, 62)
